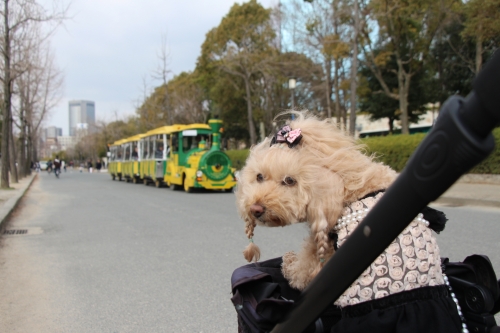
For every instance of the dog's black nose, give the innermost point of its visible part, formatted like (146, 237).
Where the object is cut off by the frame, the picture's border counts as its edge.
(257, 210)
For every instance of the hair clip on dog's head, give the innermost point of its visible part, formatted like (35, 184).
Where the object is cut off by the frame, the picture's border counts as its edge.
(288, 136)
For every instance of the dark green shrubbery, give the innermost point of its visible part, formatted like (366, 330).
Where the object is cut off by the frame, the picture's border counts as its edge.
(395, 150)
(491, 165)
(237, 157)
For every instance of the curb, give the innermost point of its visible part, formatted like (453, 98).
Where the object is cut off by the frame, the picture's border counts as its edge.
(480, 179)
(9, 206)
(459, 202)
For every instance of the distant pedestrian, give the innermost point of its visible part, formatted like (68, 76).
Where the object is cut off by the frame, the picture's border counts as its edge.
(81, 167)
(63, 163)
(98, 165)
(57, 166)
(37, 166)
(89, 166)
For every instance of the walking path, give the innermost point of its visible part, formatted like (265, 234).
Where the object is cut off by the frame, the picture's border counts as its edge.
(474, 190)
(11, 197)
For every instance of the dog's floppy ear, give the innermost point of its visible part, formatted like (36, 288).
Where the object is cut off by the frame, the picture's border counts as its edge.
(324, 210)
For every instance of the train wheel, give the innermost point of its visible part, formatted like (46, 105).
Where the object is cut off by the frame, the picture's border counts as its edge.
(113, 177)
(158, 183)
(119, 178)
(174, 187)
(134, 180)
(145, 181)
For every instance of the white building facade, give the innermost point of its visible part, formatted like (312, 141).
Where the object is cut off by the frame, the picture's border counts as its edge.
(81, 112)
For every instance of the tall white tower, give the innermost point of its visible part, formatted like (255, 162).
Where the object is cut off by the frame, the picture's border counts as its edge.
(81, 112)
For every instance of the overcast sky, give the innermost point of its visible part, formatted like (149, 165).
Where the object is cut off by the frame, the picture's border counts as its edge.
(110, 47)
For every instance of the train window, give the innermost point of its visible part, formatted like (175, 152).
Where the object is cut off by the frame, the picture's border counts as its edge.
(191, 142)
(135, 150)
(151, 147)
(167, 140)
(144, 143)
(127, 151)
(175, 143)
(159, 146)
(119, 153)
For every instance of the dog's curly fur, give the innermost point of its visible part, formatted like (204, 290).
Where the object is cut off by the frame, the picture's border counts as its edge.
(327, 171)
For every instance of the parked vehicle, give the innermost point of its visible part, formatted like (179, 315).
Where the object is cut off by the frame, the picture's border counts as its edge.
(43, 165)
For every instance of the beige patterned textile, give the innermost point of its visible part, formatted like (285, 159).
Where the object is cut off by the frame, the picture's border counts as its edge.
(411, 261)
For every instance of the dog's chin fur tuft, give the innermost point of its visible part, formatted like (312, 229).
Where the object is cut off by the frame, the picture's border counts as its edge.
(329, 171)
(251, 252)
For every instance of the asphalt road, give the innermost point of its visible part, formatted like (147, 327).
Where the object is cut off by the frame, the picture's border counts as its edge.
(107, 256)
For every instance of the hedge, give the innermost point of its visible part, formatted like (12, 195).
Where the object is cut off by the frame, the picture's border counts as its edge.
(395, 150)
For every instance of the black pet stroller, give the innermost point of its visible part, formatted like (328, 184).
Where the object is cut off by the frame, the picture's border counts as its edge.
(460, 139)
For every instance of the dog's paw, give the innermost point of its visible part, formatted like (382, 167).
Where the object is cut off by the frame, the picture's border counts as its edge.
(293, 271)
(287, 269)
(289, 258)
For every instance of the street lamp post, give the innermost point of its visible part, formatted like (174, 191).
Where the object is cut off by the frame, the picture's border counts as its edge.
(291, 85)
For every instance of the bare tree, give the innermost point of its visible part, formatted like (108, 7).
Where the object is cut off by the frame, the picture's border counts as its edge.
(319, 31)
(162, 73)
(354, 67)
(38, 90)
(19, 18)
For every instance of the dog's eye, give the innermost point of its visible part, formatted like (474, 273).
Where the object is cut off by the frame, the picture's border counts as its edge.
(288, 181)
(260, 178)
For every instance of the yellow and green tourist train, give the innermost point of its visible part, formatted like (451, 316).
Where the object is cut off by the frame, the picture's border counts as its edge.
(178, 156)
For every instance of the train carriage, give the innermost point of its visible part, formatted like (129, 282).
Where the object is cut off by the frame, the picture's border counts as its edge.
(154, 146)
(115, 160)
(131, 162)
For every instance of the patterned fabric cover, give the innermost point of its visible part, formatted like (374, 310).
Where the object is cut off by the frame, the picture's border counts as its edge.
(411, 261)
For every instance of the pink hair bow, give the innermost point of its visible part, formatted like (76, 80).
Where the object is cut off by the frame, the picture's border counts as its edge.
(287, 135)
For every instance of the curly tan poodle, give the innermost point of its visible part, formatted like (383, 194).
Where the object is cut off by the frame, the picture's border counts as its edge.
(311, 172)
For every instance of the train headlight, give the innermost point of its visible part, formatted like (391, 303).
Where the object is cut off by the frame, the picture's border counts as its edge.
(199, 173)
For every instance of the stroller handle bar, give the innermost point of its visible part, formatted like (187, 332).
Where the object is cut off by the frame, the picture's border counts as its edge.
(460, 139)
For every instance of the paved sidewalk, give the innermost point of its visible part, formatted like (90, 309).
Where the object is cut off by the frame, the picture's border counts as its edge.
(11, 197)
(471, 194)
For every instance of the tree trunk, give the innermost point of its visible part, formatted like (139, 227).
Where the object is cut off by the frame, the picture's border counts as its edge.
(403, 89)
(251, 125)
(479, 54)
(337, 68)
(354, 72)
(22, 146)
(29, 152)
(337, 93)
(6, 100)
(328, 87)
(13, 157)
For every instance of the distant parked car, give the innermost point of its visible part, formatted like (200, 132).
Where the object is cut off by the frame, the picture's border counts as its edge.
(43, 165)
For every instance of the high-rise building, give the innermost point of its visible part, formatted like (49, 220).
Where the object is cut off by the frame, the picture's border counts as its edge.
(81, 112)
(52, 132)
